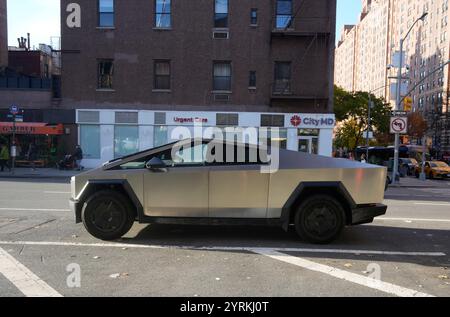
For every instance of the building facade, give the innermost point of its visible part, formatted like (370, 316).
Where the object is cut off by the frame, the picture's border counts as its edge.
(135, 72)
(383, 23)
(345, 68)
(3, 35)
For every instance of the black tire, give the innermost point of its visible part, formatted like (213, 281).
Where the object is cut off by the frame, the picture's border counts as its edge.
(320, 219)
(108, 215)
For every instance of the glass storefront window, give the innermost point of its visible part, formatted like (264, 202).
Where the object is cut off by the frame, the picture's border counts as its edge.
(275, 136)
(90, 141)
(126, 140)
(160, 136)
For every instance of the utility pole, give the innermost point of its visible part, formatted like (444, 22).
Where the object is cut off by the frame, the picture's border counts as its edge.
(399, 98)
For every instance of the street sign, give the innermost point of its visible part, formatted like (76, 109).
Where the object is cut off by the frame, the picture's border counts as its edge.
(370, 134)
(14, 109)
(399, 125)
(399, 113)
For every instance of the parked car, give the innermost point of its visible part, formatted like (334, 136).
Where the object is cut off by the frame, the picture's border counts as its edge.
(434, 169)
(317, 195)
(407, 166)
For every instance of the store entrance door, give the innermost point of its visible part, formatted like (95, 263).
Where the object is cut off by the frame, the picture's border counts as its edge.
(308, 144)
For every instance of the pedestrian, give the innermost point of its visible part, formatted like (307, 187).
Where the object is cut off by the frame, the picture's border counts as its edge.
(363, 158)
(350, 156)
(78, 157)
(4, 157)
(32, 155)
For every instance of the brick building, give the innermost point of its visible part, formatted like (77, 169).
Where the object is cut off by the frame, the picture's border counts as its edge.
(134, 70)
(3, 35)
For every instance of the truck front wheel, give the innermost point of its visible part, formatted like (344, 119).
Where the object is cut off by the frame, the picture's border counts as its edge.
(108, 215)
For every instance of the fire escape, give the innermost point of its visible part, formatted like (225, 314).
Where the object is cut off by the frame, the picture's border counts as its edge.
(288, 27)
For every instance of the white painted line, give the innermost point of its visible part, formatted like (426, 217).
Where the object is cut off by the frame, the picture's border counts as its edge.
(218, 248)
(413, 219)
(432, 204)
(33, 209)
(25, 280)
(343, 275)
(63, 193)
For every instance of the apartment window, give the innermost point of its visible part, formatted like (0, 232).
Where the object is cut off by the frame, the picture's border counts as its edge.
(252, 79)
(163, 14)
(284, 14)
(221, 14)
(254, 17)
(162, 75)
(106, 13)
(105, 74)
(222, 76)
(282, 77)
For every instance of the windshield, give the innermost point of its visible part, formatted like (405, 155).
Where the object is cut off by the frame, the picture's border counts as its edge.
(439, 164)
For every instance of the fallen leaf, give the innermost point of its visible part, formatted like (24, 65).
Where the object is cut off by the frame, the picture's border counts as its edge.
(348, 265)
(117, 275)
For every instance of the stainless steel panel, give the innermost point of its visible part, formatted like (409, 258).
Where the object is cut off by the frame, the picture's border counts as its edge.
(181, 192)
(238, 193)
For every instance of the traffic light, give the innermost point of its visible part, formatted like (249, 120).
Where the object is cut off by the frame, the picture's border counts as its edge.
(407, 104)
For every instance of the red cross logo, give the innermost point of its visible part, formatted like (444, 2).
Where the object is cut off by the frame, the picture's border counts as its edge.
(296, 121)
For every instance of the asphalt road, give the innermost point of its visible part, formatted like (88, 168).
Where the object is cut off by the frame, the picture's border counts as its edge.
(405, 253)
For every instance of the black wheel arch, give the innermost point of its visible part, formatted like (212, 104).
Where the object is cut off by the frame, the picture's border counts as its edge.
(306, 189)
(120, 185)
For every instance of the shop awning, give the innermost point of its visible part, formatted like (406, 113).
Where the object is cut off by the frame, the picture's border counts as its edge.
(32, 128)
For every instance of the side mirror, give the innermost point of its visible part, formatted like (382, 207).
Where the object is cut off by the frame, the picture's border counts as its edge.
(155, 164)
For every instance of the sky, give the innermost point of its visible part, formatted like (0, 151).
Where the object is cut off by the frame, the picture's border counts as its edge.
(41, 19)
(38, 17)
(348, 12)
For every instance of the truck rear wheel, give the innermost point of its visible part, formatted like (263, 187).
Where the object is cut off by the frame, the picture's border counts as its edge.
(108, 215)
(320, 219)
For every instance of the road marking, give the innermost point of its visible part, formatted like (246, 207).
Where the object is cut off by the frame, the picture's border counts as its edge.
(413, 219)
(25, 280)
(33, 209)
(63, 193)
(218, 248)
(343, 275)
(432, 204)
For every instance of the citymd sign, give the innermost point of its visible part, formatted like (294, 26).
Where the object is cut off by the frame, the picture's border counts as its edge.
(318, 121)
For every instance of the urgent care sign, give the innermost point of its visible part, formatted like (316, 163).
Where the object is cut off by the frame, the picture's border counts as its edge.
(311, 121)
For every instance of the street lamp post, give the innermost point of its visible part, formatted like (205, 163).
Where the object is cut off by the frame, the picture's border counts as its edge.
(399, 98)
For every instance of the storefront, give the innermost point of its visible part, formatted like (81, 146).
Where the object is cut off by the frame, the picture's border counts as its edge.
(44, 136)
(108, 134)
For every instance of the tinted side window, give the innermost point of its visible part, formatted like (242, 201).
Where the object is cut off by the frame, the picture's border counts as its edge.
(165, 156)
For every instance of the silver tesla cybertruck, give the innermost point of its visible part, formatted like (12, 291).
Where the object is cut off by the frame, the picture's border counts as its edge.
(177, 184)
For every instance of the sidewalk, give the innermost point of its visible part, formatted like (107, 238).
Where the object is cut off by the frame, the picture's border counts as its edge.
(39, 173)
(412, 182)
